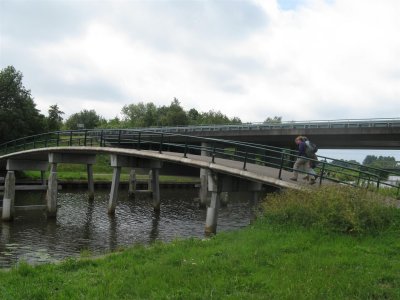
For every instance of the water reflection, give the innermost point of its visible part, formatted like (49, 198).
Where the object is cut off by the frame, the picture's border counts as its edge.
(85, 225)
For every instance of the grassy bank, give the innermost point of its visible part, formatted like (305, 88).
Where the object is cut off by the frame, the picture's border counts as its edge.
(280, 255)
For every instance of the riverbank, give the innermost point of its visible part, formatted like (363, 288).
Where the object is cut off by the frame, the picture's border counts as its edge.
(346, 248)
(259, 262)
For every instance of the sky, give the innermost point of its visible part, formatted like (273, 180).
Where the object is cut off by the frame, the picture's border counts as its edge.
(252, 59)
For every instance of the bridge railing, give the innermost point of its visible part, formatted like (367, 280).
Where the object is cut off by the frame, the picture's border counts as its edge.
(340, 123)
(244, 153)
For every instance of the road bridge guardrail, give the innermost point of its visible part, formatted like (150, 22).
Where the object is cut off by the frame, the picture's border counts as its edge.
(312, 124)
(279, 158)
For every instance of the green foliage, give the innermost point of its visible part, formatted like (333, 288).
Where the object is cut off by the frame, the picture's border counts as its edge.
(146, 115)
(344, 209)
(139, 115)
(18, 114)
(381, 162)
(172, 115)
(54, 119)
(112, 123)
(274, 120)
(89, 118)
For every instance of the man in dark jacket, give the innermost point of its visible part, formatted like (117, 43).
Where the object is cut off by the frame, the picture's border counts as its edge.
(302, 163)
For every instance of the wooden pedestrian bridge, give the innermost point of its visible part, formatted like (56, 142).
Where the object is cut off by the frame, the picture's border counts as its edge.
(225, 166)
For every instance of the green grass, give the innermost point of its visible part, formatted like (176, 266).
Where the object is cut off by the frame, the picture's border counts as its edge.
(82, 175)
(267, 260)
(102, 171)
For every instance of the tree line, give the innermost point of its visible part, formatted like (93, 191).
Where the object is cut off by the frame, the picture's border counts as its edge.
(19, 116)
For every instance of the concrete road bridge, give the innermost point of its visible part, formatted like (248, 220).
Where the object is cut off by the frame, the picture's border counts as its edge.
(224, 166)
(328, 134)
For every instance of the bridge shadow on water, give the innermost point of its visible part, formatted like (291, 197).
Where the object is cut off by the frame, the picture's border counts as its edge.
(84, 226)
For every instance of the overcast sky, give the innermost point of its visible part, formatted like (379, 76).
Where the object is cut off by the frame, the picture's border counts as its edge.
(253, 59)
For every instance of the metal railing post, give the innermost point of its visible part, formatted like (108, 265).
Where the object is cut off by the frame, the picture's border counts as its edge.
(58, 139)
(34, 142)
(70, 138)
(119, 138)
(322, 172)
(161, 143)
(84, 141)
(213, 154)
(245, 160)
(281, 166)
(186, 149)
(101, 138)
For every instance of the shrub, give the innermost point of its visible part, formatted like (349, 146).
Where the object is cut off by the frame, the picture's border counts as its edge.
(333, 208)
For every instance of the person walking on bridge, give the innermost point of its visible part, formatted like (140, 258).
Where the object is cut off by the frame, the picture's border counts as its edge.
(302, 163)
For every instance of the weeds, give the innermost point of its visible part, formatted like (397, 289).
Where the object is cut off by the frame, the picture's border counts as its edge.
(344, 209)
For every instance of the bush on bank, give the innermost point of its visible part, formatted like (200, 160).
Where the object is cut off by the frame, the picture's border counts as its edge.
(344, 210)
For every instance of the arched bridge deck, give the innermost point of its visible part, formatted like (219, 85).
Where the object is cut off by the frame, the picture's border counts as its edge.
(252, 172)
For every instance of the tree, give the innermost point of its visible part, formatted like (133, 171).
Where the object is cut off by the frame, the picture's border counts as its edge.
(139, 115)
(112, 123)
(217, 118)
(173, 115)
(18, 114)
(193, 116)
(381, 162)
(274, 120)
(54, 119)
(89, 118)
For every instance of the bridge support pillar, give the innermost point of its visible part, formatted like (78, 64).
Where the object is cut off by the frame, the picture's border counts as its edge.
(150, 181)
(203, 179)
(87, 159)
(89, 168)
(51, 196)
(212, 210)
(118, 161)
(132, 182)
(155, 187)
(112, 203)
(9, 197)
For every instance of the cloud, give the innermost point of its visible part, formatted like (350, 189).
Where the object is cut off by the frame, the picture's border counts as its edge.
(252, 59)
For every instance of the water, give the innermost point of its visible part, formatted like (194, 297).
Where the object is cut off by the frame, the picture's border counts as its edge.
(82, 225)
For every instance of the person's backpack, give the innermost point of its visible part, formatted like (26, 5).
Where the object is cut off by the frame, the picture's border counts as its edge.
(311, 149)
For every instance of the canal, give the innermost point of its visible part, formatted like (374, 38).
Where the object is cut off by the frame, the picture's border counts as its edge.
(84, 227)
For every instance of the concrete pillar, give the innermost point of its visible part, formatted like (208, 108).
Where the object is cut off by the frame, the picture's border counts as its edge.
(112, 203)
(212, 210)
(89, 168)
(51, 196)
(203, 179)
(132, 182)
(9, 197)
(155, 187)
(149, 182)
(212, 213)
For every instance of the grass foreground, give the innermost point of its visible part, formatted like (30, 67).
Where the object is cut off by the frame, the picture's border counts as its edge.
(279, 256)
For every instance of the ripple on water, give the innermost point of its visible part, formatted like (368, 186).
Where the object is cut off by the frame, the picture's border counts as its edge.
(85, 225)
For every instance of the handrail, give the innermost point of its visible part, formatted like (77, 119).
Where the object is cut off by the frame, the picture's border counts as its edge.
(275, 157)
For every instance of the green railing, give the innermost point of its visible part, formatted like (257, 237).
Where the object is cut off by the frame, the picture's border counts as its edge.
(246, 153)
